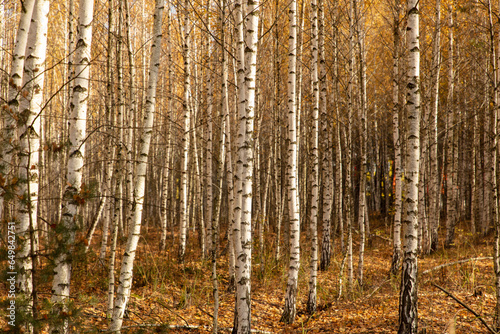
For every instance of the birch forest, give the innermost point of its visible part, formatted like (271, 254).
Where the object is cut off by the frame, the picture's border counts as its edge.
(249, 166)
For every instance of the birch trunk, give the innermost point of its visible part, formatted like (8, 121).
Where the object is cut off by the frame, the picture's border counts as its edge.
(125, 280)
(362, 210)
(11, 109)
(247, 61)
(494, 166)
(77, 135)
(290, 311)
(326, 165)
(311, 300)
(170, 104)
(396, 253)
(408, 295)
(339, 191)
(186, 136)
(349, 191)
(224, 117)
(451, 179)
(132, 114)
(474, 183)
(110, 154)
(230, 185)
(31, 109)
(434, 190)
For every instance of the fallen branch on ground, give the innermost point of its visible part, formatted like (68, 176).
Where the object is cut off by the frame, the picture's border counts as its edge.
(466, 307)
(457, 262)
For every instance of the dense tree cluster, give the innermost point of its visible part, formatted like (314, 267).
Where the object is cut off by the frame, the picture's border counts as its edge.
(233, 121)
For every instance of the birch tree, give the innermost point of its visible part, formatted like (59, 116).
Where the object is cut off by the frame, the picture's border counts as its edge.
(433, 131)
(290, 311)
(408, 293)
(348, 190)
(494, 166)
(186, 135)
(396, 253)
(11, 109)
(326, 163)
(242, 228)
(362, 214)
(77, 134)
(126, 271)
(31, 109)
(451, 179)
(311, 300)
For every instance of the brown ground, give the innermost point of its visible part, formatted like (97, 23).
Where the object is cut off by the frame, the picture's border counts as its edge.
(167, 293)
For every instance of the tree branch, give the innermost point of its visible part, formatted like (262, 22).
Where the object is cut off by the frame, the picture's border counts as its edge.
(466, 307)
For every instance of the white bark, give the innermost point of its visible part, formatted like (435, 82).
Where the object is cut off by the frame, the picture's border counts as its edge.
(125, 280)
(166, 170)
(132, 116)
(11, 109)
(209, 163)
(362, 210)
(311, 300)
(186, 136)
(111, 149)
(408, 295)
(31, 109)
(494, 166)
(396, 255)
(77, 135)
(247, 66)
(451, 179)
(165, 181)
(348, 193)
(434, 191)
(326, 164)
(290, 310)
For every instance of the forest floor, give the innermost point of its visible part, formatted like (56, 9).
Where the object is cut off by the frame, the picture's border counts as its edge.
(174, 298)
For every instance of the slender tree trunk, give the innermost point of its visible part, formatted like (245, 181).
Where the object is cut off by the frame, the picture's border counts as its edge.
(408, 296)
(326, 165)
(451, 179)
(224, 117)
(125, 280)
(349, 192)
(111, 269)
(247, 61)
(289, 311)
(95, 221)
(132, 114)
(396, 253)
(209, 158)
(229, 176)
(77, 136)
(339, 190)
(434, 190)
(362, 210)
(311, 300)
(186, 136)
(474, 183)
(31, 108)
(11, 109)
(494, 166)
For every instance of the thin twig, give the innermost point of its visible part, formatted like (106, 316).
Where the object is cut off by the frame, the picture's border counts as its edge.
(466, 307)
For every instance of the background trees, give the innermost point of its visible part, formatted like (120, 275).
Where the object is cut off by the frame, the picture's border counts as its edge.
(329, 148)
